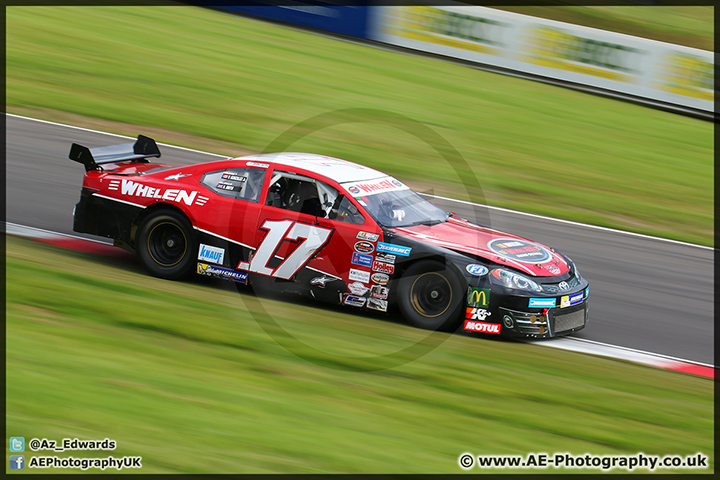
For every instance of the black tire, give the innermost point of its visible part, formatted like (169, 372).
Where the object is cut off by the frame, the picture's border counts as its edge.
(166, 245)
(430, 296)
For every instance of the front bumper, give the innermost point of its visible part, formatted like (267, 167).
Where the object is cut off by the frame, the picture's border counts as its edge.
(528, 316)
(550, 323)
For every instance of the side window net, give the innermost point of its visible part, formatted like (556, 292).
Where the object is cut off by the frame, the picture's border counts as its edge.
(298, 193)
(345, 211)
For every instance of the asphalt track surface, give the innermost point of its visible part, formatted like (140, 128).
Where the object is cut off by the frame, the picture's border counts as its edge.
(645, 293)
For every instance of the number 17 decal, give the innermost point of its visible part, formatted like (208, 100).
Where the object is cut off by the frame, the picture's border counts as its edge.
(314, 238)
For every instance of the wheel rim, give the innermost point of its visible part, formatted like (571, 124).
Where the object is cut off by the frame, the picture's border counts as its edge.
(431, 294)
(167, 244)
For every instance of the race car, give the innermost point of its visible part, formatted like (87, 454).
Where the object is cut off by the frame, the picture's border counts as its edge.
(329, 228)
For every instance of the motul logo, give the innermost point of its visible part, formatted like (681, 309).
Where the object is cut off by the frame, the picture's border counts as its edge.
(482, 327)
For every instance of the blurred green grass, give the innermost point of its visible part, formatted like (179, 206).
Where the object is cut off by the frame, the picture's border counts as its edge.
(183, 375)
(188, 74)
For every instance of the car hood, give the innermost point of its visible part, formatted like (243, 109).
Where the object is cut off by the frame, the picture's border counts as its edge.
(493, 245)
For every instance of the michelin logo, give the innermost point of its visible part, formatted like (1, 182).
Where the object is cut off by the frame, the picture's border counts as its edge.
(221, 272)
(569, 300)
(212, 254)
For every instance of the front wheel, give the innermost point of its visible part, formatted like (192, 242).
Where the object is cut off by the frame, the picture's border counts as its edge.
(430, 296)
(166, 245)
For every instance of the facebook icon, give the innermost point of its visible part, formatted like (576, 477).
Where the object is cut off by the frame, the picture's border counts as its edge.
(17, 462)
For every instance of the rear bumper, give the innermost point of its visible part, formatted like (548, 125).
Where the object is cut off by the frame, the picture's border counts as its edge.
(105, 218)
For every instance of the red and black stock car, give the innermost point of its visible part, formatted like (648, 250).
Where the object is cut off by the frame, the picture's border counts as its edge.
(328, 228)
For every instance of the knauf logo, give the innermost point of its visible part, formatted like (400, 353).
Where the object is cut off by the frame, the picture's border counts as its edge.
(211, 254)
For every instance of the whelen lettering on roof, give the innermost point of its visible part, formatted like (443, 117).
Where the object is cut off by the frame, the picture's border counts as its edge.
(334, 168)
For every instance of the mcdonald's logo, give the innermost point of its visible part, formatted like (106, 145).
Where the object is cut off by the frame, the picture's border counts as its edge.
(478, 297)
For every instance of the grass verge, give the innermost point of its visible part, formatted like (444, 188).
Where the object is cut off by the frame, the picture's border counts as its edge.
(182, 374)
(203, 74)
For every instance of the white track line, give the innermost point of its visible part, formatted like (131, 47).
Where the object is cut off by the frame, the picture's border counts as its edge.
(111, 134)
(517, 212)
(33, 232)
(565, 343)
(615, 351)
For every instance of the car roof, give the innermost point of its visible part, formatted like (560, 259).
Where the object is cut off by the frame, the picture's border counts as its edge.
(337, 169)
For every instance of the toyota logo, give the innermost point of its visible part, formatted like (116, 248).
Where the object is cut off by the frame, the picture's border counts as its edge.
(563, 286)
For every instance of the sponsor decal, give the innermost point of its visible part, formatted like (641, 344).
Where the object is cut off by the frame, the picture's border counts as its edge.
(375, 186)
(380, 278)
(370, 237)
(377, 304)
(359, 276)
(552, 268)
(221, 272)
(378, 291)
(382, 267)
(542, 302)
(226, 186)
(177, 176)
(209, 253)
(357, 288)
(395, 249)
(135, 189)
(364, 247)
(115, 184)
(477, 270)
(477, 313)
(233, 177)
(570, 300)
(587, 292)
(519, 250)
(385, 257)
(478, 297)
(354, 300)
(256, 164)
(362, 260)
(321, 281)
(483, 327)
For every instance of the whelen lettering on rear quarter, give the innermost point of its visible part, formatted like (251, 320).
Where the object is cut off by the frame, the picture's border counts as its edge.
(135, 189)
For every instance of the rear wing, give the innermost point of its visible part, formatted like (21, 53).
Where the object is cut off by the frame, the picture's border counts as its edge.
(139, 151)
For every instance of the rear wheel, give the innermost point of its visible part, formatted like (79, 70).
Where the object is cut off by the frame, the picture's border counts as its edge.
(166, 245)
(430, 296)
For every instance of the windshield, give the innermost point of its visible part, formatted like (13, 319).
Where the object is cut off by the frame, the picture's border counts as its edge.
(398, 206)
